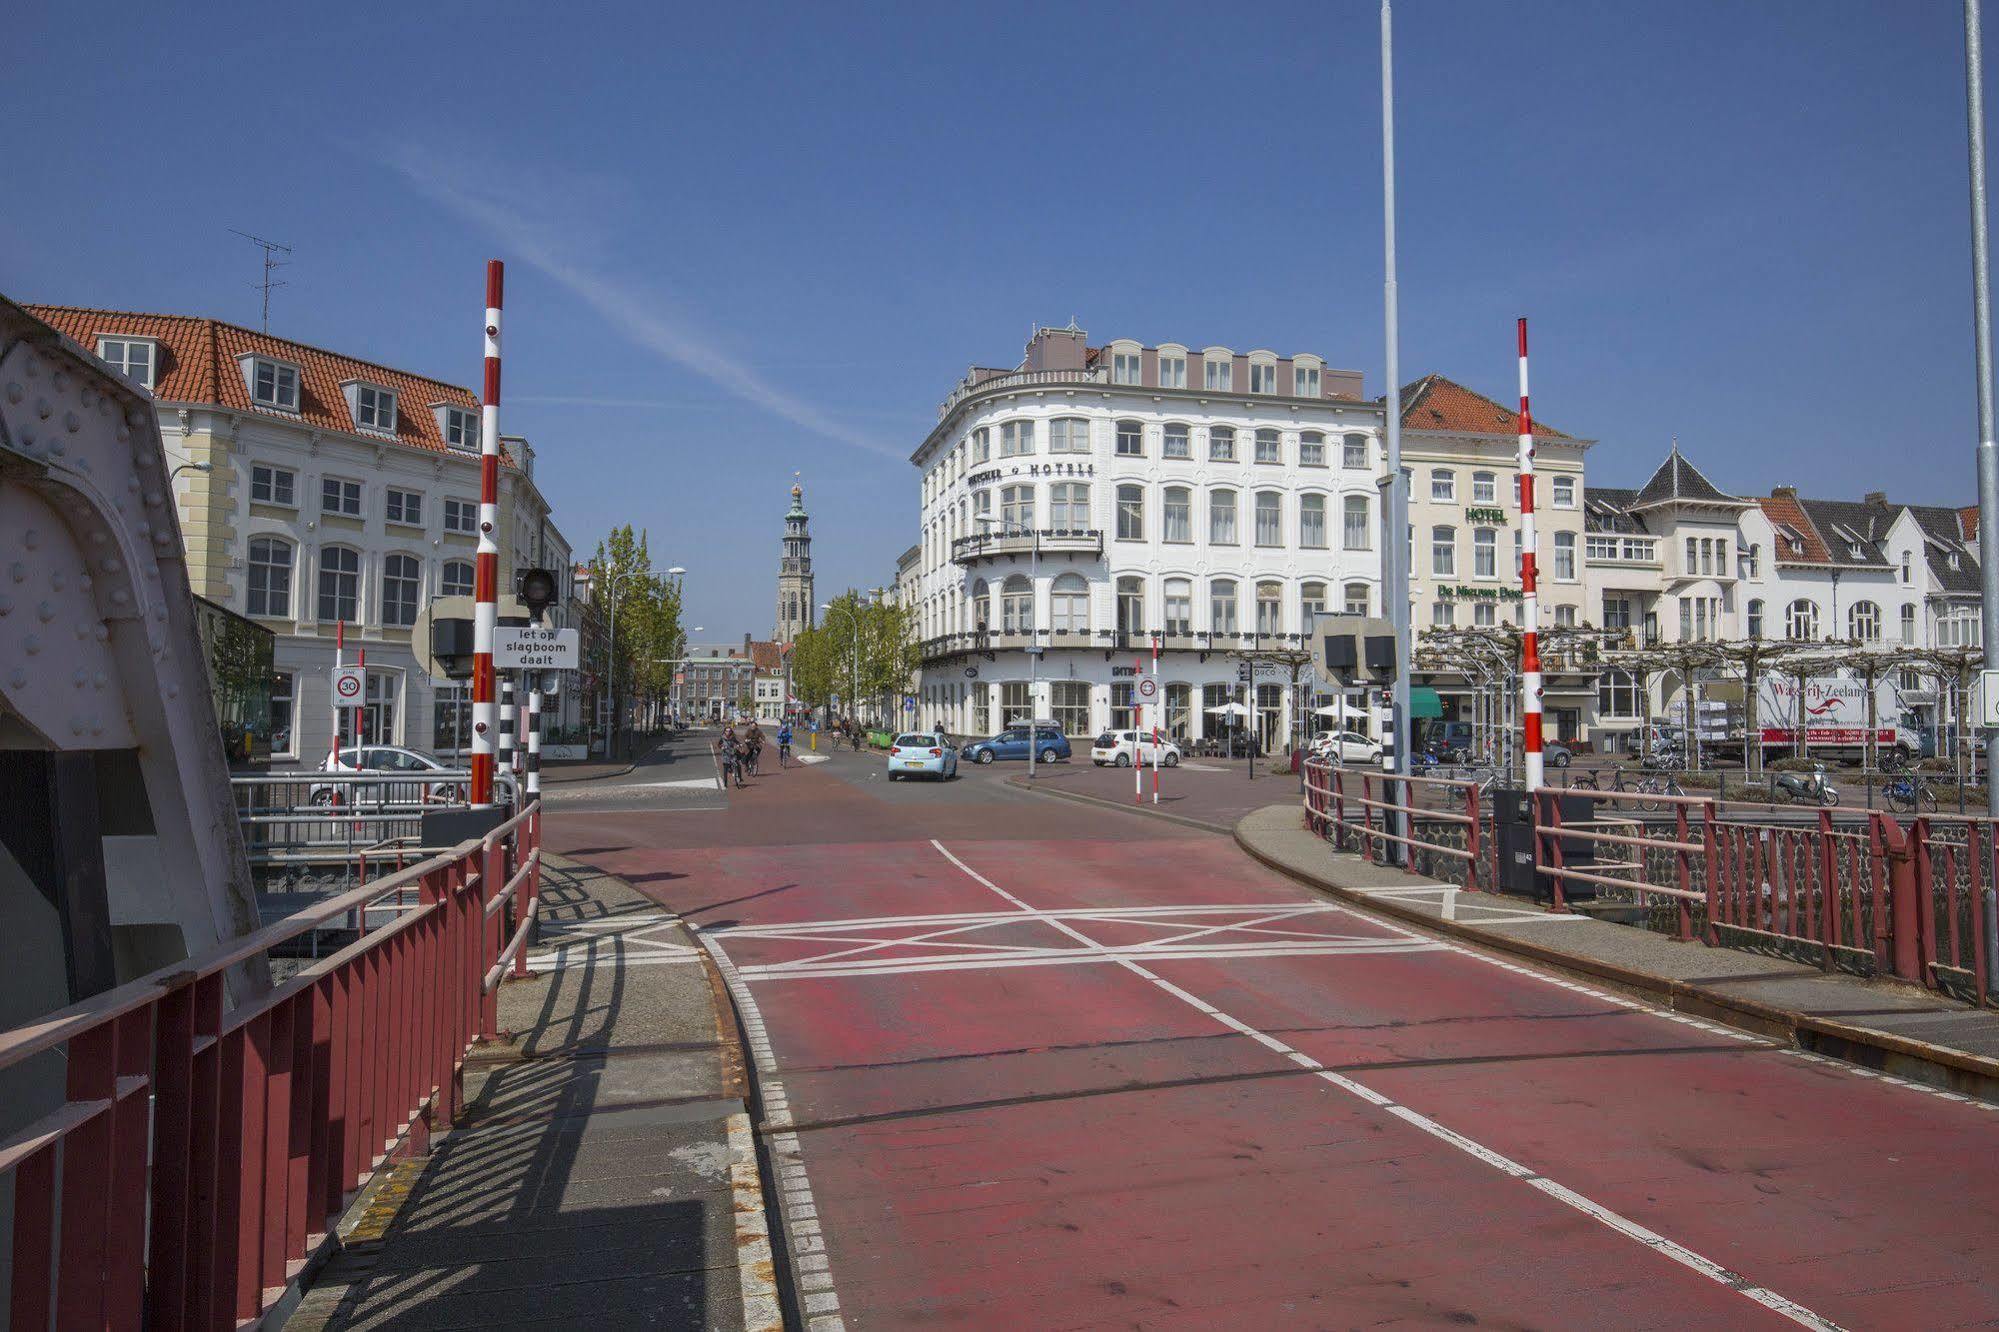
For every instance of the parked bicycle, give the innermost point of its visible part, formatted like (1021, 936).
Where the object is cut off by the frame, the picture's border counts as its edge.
(1642, 786)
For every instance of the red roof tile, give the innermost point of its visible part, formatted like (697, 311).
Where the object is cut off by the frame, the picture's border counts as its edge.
(198, 363)
(1967, 522)
(1436, 403)
(768, 657)
(1785, 511)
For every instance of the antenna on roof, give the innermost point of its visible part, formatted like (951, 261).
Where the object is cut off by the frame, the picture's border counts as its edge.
(270, 249)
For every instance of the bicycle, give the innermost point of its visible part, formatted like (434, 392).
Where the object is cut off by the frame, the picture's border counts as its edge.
(1905, 793)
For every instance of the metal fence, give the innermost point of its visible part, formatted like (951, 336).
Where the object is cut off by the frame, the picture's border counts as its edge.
(1851, 890)
(201, 1150)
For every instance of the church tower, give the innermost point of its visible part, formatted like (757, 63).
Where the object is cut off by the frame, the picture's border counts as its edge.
(796, 609)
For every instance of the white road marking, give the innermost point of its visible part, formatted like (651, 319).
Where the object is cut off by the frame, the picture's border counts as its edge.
(1678, 1253)
(682, 784)
(611, 942)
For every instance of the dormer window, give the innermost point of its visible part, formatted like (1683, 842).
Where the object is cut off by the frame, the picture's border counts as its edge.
(1953, 560)
(372, 407)
(1263, 376)
(1218, 369)
(271, 383)
(1853, 550)
(1305, 381)
(459, 427)
(1127, 360)
(135, 358)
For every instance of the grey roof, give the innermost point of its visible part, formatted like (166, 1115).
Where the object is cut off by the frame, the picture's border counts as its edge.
(1608, 509)
(1943, 536)
(1852, 532)
(1680, 482)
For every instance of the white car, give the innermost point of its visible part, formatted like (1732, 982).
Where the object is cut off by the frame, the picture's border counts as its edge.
(1346, 747)
(393, 761)
(923, 754)
(1123, 748)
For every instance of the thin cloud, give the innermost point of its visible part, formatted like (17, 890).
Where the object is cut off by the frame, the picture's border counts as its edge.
(542, 246)
(642, 404)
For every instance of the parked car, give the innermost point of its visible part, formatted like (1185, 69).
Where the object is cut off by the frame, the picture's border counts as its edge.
(922, 753)
(1346, 747)
(393, 760)
(1555, 754)
(1123, 748)
(1450, 741)
(1049, 745)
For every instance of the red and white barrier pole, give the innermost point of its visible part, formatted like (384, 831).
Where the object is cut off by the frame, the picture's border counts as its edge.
(339, 660)
(486, 574)
(1158, 708)
(1530, 647)
(1137, 730)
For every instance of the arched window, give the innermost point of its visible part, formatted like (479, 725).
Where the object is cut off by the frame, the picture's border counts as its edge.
(1443, 485)
(1269, 609)
(1753, 620)
(1068, 434)
(1017, 508)
(1353, 452)
(1179, 606)
(402, 581)
(1177, 513)
(1130, 439)
(1565, 492)
(1071, 608)
(1863, 622)
(1484, 488)
(1909, 622)
(1311, 605)
(457, 579)
(1016, 438)
(1221, 517)
(1565, 556)
(1801, 621)
(1267, 448)
(1221, 606)
(1131, 513)
(1069, 506)
(1269, 518)
(1131, 605)
(1356, 530)
(1484, 552)
(1175, 442)
(1444, 551)
(1221, 444)
(1016, 605)
(1312, 449)
(270, 577)
(979, 606)
(1312, 521)
(1357, 599)
(339, 584)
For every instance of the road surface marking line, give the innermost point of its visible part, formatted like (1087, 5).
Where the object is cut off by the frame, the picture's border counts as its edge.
(1014, 917)
(1657, 1243)
(795, 1201)
(1065, 957)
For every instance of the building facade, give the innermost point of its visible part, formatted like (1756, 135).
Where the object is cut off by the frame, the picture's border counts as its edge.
(796, 610)
(322, 495)
(1094, 501)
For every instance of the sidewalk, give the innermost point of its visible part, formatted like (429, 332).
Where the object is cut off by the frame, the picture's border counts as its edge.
(604, 1173)
(1895, 1028)
(553, 774)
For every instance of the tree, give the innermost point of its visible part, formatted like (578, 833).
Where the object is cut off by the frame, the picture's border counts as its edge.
(862, 649)
(641, 612)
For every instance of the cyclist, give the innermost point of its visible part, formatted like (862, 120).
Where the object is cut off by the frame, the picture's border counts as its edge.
(784, 743)
(730, 752)
(753, 741)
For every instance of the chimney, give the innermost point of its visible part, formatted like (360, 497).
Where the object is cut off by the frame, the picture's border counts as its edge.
(1875, 497)
(1784, 492)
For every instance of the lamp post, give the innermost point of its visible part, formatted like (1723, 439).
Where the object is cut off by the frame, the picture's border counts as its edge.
(987, 521)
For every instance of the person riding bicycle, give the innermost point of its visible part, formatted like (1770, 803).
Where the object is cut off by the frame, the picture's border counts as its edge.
(753, 742)
(784, 743)
(730, 749)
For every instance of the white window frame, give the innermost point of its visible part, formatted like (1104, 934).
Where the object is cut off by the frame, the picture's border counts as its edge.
(116, 352)
(1311, 516)
(271, 474)
(283, 374)
(1130, 433)
(1312, 448)
(1563, 489)
(1262, 376)
(371, 403)
(1216, 434)
(1443, 486)
(1173, 369)
(274, 608)
(1178, 445)
(348, 488)
(1218, 372)
(1069, 434)
(1353, 452)
(1485, 488)
(1017, 437)
(1305, 381)
(1565, 557)
(1127, 364)
(445, 587)
(1267, 436)
(469, 511)
(402, 507)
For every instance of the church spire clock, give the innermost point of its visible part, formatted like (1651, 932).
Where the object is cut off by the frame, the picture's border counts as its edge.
(796, 608)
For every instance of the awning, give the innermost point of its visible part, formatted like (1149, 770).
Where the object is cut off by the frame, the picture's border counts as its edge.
(1423, 702)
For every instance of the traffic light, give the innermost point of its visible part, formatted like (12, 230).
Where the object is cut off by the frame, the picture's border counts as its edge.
(536, 589)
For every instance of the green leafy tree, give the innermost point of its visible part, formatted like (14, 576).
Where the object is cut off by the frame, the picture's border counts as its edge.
(642, 616)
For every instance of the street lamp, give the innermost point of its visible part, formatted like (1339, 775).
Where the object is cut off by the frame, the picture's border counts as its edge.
(190, 467)
(987, 521)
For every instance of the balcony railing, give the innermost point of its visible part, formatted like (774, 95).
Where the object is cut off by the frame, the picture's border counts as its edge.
(1019, 379)
(1023, 541)
(1108, 640)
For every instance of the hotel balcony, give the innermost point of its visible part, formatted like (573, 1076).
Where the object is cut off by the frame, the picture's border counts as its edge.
(1026, 541)
(1111, 642)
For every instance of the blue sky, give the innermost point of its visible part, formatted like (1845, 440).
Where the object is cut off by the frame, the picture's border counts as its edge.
(751, 240)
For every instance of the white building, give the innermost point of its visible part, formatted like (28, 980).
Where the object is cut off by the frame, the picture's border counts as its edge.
(1097, 500)
(316, 490)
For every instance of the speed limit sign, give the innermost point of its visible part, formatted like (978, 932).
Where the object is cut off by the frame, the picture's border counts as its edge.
(1147, 687)
(347, 681)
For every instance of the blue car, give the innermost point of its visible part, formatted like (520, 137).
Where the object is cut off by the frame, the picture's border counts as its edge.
(1049, 745)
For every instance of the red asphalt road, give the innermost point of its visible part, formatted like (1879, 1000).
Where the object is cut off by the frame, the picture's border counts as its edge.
(1284, 1115)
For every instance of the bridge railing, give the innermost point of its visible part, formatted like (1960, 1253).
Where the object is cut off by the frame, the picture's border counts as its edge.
(201, 1149)
(1857, 891)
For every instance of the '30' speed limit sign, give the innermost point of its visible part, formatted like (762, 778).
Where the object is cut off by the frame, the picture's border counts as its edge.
(347, 681)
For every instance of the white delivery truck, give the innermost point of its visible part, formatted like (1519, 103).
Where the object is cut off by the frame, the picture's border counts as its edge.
(1835, 716)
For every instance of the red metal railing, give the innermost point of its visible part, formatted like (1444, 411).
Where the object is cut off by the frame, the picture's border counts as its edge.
(1357, 807)
(1817, 884)
(203, 1150)
(1631, 840)
(1955, 865)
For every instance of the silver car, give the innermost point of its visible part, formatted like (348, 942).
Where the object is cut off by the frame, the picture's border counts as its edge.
(922, 754)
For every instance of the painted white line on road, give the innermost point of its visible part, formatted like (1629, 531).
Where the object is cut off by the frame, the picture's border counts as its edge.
(808, 759)
(1013, 917)
(682, 784)
(1666, 1248)
(1067, 957)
